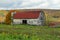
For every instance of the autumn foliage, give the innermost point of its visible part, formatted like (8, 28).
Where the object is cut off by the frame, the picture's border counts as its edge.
(8, 18)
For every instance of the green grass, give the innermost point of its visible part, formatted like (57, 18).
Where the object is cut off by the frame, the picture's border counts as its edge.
(28, 32)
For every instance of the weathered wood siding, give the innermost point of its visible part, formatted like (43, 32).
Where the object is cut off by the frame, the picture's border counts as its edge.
(29, 21)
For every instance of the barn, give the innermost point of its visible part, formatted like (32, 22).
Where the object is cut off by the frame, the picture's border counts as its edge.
(28, 17)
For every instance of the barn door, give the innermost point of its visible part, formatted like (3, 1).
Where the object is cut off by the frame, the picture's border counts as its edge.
(24, 21)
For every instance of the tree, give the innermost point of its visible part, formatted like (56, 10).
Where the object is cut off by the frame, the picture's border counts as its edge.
(8, 18)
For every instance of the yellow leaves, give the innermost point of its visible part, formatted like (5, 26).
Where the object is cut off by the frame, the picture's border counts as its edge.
(2, 19)
(3, 14)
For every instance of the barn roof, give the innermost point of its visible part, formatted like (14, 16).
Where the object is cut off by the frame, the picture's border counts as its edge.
(27, 15)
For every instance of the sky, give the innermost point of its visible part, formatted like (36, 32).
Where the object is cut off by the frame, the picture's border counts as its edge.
(29, 4)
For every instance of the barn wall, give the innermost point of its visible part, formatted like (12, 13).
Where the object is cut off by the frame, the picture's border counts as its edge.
(17, 21)
(29, 21)
(34, 22)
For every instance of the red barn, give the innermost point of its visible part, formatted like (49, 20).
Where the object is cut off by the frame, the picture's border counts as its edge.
(29, 17)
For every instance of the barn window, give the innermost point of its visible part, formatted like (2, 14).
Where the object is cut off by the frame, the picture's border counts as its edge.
(30, 21)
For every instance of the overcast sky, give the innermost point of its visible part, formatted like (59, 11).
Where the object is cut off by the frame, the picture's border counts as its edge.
(28, 4)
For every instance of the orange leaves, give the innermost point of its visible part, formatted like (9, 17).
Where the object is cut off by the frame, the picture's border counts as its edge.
(8, 18)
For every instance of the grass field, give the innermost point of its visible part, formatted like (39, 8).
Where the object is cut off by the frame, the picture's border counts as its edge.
(28, 32)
